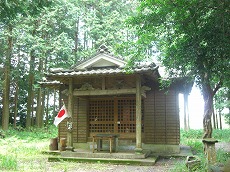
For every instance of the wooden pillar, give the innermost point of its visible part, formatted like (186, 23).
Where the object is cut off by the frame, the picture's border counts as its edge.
(70, 113)
(138, 148)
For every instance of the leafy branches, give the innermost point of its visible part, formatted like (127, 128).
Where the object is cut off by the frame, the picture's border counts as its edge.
(193, 39)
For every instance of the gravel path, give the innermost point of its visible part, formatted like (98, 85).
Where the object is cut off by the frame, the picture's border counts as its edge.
(223, 145)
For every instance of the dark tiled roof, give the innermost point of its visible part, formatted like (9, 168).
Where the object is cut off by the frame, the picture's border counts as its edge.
(139, 68)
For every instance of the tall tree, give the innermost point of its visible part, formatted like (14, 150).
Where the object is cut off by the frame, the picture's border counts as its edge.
(9, 11)
(6, 86)
(193, 38)
(58, 33)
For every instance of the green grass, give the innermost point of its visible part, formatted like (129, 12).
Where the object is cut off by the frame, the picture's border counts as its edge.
(193, 138)
(21, 151)
(8, 162)
(220, 135)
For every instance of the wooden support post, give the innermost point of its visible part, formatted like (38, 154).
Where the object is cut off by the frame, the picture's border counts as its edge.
(103, 83)
(138, 148)
(70, 112)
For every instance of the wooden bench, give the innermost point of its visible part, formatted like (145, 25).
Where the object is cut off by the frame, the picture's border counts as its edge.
(113, 141)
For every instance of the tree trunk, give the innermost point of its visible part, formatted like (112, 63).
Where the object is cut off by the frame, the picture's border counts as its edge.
(214, 119)
(39, 114)
(54, 105)
(30, 90)
(6, 85)
(42, 109)
(16, 103)
(217, 125)
(47, 107)
(208, 109)
(220, 119)
(76, 40)
(17, 89)
(32, 108)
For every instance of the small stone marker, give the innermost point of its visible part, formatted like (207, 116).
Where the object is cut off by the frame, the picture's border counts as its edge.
(209, 149)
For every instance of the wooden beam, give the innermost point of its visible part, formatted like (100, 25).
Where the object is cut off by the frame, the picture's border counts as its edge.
(103, 92)
(110, 92)
(103, 83)
(70, 97)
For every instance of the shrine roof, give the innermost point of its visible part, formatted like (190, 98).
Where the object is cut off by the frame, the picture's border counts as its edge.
(102, 63)
(102, 71)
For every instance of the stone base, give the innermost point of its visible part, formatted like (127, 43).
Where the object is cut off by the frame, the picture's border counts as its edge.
(167, 149)
(155, 148)
(138, 150)
(69, 148)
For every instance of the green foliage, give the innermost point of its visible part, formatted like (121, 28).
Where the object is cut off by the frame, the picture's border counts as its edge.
(32, 134)
(220, 135)
(191, 36)
(222, 156)
(196, 145)
(191, 134)
(193, 40)
(227, 118)
(181, 167)
(56, 33)
(193, 138)
(222, 101)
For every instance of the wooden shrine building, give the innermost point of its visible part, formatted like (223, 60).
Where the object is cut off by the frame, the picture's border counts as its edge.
(102, 97)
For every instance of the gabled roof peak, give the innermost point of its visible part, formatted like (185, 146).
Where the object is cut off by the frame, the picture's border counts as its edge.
(103, 49)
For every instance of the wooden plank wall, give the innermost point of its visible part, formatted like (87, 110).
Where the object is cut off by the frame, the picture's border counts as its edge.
(79, 121)
(162, 118)
(80, 116)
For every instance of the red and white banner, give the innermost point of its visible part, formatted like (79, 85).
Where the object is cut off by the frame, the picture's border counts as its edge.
(62, 114)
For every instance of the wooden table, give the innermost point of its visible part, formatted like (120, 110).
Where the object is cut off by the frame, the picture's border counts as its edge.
(113, 141)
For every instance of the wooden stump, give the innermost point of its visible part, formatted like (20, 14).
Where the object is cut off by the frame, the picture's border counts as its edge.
(53, 144)
(63, 144)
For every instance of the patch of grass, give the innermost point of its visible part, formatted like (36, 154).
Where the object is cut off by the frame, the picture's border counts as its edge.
(196, 146)
(221, 135)
(8, 162)
(193, 138)
(32, 134)
(191, 134)
(222, 156)
(21, 149)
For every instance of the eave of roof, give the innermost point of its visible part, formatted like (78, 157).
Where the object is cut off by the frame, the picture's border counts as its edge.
(100, 71)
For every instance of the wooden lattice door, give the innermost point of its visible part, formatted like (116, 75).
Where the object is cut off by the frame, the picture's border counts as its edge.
(112, 115)
(126, 115)
(101, 116)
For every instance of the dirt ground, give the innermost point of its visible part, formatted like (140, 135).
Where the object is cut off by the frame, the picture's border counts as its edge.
(162, 165)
